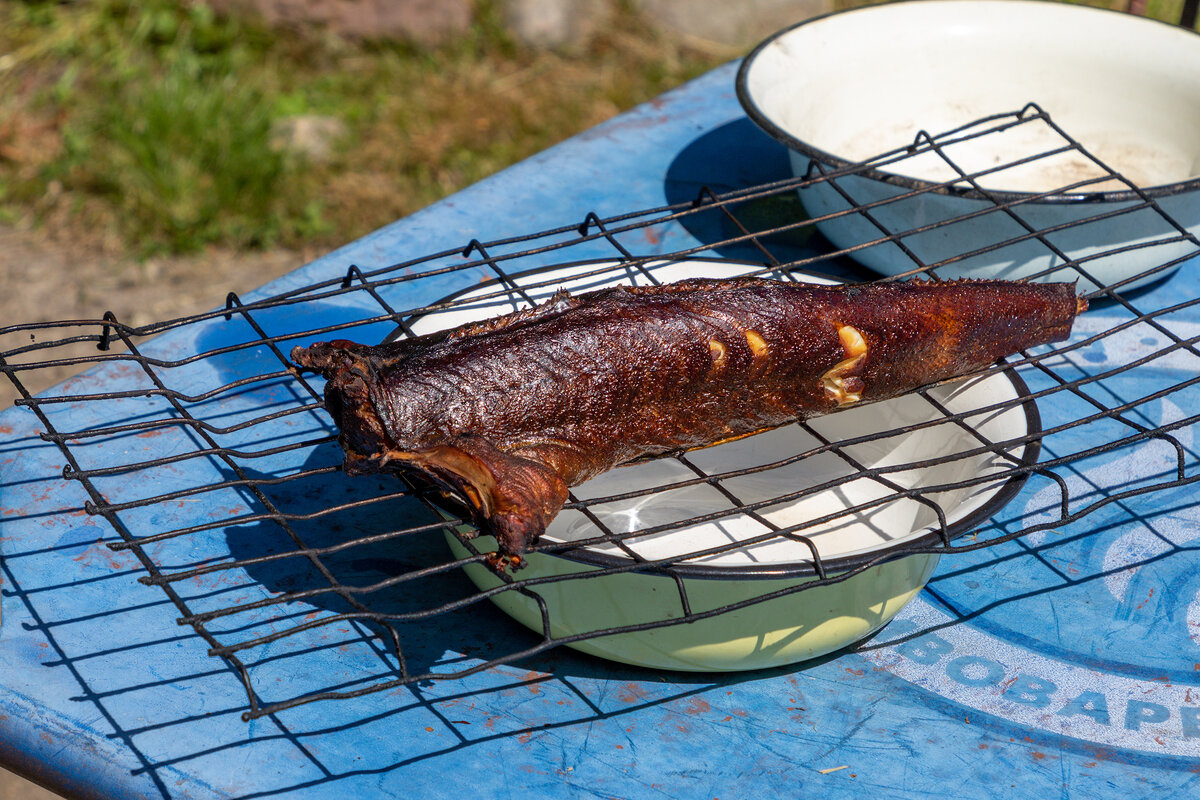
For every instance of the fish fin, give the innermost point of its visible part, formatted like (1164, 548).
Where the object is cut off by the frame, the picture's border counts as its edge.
(559, 302)
(510, 497)
(328, 358)
(843, 383)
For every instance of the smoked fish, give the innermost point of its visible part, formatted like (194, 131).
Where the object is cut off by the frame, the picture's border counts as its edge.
(506, 414)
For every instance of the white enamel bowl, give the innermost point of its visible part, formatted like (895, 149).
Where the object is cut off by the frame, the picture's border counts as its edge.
(844, 88)
(745, 560)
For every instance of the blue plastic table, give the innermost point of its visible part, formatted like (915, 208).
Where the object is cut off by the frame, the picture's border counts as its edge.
(1064, 664)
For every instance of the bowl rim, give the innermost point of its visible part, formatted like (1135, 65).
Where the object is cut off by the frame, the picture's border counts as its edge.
(767, 124)
(929, 543)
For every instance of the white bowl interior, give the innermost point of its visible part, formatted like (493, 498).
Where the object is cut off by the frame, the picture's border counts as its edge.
(855, 515)
(860, 83)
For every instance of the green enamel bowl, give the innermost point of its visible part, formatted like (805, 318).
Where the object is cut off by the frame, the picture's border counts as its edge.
(681, 576)
(792, 627)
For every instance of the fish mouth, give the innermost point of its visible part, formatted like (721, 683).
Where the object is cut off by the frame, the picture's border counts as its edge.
(350, 374)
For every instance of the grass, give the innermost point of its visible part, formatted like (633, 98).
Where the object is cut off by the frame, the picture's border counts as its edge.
(181, 148)
(154, 121)
(149, 125)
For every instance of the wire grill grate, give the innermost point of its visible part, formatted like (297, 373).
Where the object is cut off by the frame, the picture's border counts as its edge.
(214, 461)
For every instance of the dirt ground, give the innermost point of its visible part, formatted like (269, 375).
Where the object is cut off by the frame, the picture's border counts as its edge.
(44, 280)
(14, 787)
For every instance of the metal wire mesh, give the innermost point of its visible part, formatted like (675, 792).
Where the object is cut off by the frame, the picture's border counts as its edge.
(215, 462)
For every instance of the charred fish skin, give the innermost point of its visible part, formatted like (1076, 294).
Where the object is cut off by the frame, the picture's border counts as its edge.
(507, 414)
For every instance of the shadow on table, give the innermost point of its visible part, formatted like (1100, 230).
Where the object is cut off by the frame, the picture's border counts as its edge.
(737, 155)
(435, 637)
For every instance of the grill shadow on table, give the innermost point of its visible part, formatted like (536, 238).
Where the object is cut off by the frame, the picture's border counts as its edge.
(417, 613)
(132, 680)
(126, 660)
(471, 632)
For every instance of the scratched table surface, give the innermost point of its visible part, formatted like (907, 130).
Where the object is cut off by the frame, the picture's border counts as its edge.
(1066, 663)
